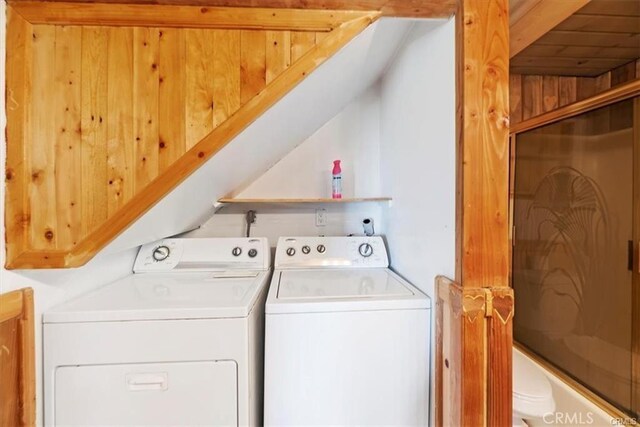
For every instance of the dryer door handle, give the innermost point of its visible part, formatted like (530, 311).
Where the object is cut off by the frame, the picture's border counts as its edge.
(148, 381)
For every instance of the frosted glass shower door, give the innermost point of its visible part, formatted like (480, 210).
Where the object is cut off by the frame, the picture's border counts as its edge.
(574, 221)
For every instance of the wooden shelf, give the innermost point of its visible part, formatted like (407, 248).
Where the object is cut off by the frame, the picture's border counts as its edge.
(309, 201)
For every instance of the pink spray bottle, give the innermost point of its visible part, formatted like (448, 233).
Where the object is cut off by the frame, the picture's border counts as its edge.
(336, 181)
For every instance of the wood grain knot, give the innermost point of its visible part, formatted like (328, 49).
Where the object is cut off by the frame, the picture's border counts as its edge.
(204, 10)
(9, 174)
(162, 144)
(48, 235)
(446, 362)
(201, 154)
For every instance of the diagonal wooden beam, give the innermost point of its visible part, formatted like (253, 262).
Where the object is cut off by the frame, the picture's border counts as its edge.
(541, 16)
(67, 13)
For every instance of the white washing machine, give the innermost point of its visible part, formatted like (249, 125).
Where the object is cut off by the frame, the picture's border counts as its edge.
(179, 342)
(347, 340)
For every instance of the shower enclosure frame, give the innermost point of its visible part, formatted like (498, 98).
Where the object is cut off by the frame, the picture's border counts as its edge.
(612, 96)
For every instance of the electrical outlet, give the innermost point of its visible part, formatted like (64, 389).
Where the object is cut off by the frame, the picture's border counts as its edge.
(321, 217)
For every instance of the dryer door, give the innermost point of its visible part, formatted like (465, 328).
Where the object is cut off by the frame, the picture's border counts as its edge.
(180, 393)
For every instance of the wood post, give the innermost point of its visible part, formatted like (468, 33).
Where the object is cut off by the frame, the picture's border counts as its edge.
(474, 313)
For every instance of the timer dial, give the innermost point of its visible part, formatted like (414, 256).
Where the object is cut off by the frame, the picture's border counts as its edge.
(161, 253)
(366, 250)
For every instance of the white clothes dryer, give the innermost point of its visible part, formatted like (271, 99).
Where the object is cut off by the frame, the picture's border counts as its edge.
(179, 342)
(347, 340)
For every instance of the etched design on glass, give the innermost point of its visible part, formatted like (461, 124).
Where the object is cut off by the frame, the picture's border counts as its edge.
(569, 221)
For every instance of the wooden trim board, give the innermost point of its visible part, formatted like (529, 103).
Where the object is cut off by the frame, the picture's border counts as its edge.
(474, 313)
(618, 93)
(397, 8)
(62, 13)
(17, 359)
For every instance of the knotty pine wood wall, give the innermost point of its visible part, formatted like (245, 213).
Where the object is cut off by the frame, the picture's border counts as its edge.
(124, 103)
(532, 95)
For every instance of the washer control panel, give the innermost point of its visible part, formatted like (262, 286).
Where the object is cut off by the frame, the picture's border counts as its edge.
(204, 254)
(331, 252)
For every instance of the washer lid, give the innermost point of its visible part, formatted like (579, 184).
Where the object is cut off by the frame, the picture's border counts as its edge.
(315, 290)
(165, 296)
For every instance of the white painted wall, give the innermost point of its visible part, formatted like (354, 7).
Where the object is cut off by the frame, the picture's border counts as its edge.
(351, 136)
(51, 286)
(417, 149)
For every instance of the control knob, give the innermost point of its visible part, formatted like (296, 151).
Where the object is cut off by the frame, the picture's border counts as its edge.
(291, 251)
(321, 249)
(252, 253)
(366, 250)
(237, 251)
(161, 253)
(306, 250)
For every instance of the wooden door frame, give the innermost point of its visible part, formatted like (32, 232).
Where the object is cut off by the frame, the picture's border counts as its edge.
(16, 313)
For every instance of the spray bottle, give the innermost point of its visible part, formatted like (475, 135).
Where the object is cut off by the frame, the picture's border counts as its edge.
(336, 182)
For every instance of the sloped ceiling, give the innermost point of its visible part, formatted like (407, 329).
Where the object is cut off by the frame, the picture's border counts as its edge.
(290, 121)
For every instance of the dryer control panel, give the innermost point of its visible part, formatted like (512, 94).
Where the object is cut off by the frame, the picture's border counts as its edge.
(331, 252)
(204, 254)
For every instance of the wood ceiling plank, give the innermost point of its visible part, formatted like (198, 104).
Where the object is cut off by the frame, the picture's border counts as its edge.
(253, 64)
(600, 23)
(567, 90)
(120, 140)
(566, 51)
(541, 18)
(146, 78)
(560, 62)
(18, 92)
(623, 74)
(400, 8)
(601, 39)
(612, 7)
(226, 74)
(278, 53)
(94, 130)
(532, 96)
(40, 154)
(63, 13)
(515, 98)
(301, 43)
(67, 113)
(171, 96)
(199, 69)
(550, 93)
(583, 72)
(519, 8)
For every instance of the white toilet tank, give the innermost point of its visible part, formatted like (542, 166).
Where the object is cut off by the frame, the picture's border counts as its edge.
(532, 394)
